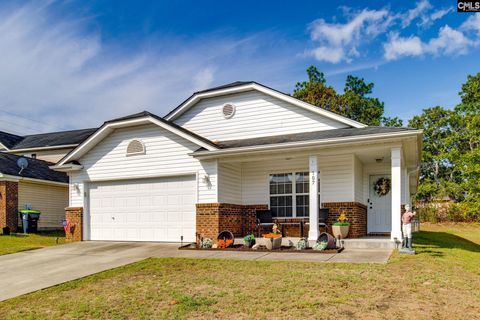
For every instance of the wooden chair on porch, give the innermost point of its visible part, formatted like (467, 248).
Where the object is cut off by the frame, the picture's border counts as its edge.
(264, 220)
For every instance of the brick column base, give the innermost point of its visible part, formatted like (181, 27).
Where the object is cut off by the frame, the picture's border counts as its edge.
(355, 212)
(9, 205)
(75, 216)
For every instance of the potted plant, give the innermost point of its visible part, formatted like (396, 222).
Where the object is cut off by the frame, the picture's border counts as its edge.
(341, 227)
(302, 244)
(206, 243)
(273, 240)
(249, 240)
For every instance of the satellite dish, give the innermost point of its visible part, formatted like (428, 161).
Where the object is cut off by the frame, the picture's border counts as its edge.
(22, 163)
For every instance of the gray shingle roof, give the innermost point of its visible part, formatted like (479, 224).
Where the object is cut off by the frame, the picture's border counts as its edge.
(51, 139)
(170, 123)
(9, 140)
(37, 169)
(309, 136)
(225, 86)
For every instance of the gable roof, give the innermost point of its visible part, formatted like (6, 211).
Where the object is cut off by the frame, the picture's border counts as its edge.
(242, 86)
(37, 169)
(45, 140)
(9, 140)
(132, 120)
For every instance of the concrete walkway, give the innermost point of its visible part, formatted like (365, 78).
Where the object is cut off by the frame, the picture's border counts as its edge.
(29, 271)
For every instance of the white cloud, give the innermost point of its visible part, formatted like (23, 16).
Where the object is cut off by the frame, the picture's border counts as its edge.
(398, 46)
(414, 13)
(448, 42)
(59, 73)
(428, 20)
(472, 24)
(338, 41)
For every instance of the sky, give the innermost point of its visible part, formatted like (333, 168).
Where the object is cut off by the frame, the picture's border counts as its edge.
(75, 64)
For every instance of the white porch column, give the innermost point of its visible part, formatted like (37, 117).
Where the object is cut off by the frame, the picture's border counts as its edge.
(396, 192)
(313, 195)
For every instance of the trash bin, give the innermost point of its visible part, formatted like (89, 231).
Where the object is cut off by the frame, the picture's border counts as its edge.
(29, 220)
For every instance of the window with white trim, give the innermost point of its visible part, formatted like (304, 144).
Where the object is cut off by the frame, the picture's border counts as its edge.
(289, 194)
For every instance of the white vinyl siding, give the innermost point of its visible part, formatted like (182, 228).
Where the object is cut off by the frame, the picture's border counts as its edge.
(166, 155)
(256, 115)
(230, 183)
(358, 169)
(50, 200)
(47, 155)
(336, 177)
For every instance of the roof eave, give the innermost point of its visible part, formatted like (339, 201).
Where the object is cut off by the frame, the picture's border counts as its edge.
(64, 146)
(14, 178)
(303, 144)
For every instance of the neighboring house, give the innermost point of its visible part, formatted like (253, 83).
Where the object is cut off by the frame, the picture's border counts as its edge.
(37, 186)
(227, 151)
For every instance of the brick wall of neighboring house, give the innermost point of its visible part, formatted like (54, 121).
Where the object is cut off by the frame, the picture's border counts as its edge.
(354, 211)
(213, 218)
(75, 216)
(9, 205)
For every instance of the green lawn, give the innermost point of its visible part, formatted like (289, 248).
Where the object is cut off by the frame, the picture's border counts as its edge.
(441, 282)
(16, 242)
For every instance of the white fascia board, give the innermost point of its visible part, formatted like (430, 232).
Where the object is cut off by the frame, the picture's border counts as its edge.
(44, 148)
(4, 147)
(67, 167)
(8, 177)
(304, 144)
(273, 93)
(98, 136)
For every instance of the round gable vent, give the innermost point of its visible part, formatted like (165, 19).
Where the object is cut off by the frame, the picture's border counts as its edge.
(228, 110)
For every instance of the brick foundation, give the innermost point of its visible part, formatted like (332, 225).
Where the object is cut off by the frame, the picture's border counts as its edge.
(75, 216)
(212, 218)
(9, 205)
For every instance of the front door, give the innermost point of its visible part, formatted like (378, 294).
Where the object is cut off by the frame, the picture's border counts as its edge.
(379, 208)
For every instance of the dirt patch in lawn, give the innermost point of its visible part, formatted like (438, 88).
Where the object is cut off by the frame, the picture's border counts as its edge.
(440, 282)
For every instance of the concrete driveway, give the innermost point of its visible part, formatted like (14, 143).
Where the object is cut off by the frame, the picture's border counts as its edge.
(29, 271)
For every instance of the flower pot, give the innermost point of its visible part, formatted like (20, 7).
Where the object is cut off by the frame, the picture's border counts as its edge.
(340, 231)
(272, 242)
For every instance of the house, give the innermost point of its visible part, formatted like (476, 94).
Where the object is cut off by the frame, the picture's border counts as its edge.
(37, 185)
(228, 151)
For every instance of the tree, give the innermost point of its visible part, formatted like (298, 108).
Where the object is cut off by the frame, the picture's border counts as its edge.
(316, 92)
(355, 103)
(439, 150)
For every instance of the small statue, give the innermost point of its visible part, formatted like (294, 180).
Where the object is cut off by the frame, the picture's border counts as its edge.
(407, 218)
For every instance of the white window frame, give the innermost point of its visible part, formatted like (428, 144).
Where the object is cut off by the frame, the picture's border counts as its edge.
(294, 192)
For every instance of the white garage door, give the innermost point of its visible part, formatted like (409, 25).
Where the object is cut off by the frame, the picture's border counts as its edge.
(143, 210)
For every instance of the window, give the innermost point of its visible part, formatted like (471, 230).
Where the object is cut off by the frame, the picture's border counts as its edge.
(289, 194)
(281, 195)
(135, 147)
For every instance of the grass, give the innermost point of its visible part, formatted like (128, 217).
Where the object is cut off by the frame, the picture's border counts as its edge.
(440, 282)
(16, 242)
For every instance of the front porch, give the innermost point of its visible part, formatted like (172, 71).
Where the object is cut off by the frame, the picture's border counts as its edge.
(295, 185)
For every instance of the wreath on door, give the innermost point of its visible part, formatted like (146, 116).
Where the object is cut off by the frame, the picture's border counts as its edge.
(382, 186)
